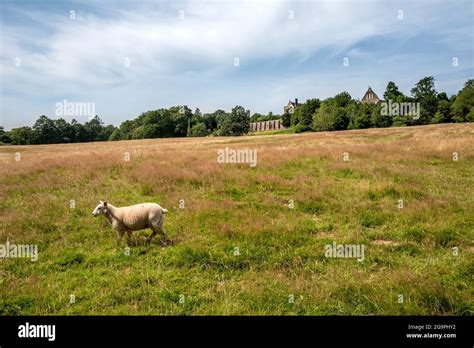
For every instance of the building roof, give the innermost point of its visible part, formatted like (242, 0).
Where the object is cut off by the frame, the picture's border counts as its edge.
(370, 96)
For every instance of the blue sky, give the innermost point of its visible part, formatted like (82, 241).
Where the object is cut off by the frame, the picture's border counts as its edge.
(183, 52)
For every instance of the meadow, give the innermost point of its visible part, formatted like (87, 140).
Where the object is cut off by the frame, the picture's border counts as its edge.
(239, 246)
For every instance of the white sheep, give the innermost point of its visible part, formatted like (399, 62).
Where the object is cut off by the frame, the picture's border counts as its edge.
(133, 218)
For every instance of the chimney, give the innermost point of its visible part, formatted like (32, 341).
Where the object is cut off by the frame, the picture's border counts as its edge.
(296, 101)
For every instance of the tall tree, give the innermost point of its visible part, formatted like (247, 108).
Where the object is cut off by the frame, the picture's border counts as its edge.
(424, 87)
(162, 124)
(286, 119)
(21, 136)
(361, 118)
(199, 130)
(304, 113)
(65, 131)
(392, 92)
(210, 120)
(256, 117)
(343, 99)
(443, 114)
(331, 115)
(237, 123)
(197, 113)
(378, 119)
(4, 138)
(45, 131)
(220, 116)
(181, 116)
(93, 129)
(463, 106)
(425, 93)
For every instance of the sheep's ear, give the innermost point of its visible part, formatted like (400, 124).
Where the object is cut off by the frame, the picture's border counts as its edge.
(101, 202)
(105, 204)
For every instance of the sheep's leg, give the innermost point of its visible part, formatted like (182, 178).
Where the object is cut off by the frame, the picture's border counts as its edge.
(158, 230)
(119, 236)
(157, 227)
(153, 233)
(161, 231)
(129, 237)
(164, 238)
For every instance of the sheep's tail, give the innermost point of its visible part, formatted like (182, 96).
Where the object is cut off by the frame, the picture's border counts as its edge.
(165, 211)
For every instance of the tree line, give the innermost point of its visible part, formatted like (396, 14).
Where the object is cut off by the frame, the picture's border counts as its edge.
(336, 113)
(180, 121)
(177, 121)
(343, 112)
(49, 131)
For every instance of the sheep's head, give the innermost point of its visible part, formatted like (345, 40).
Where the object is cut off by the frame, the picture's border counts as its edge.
(100, 209)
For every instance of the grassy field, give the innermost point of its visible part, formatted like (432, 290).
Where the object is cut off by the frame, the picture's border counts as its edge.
(238, 248)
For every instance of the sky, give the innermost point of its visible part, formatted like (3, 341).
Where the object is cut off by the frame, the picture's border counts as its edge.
(127, 57)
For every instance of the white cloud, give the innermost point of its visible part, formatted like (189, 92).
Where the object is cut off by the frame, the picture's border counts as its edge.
(174, 60)
(91, 50)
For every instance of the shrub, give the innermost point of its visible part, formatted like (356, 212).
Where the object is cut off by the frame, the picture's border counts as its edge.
(199, 130)
(300, 128)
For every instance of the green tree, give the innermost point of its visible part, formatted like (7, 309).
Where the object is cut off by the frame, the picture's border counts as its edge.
(442, 96)
(199, 130)
(378, 119)
(469, 83)
(392, 92)
(141, 132)
(256, 117)
(286, 119)
(116, 135)
(107, 132)
(94, 128)
(197, 114)
(197, 118)
(126, 129)
(4, 138)
(425, 93)
(181, 116)
(162, 124)
(45, 131)
(424, 87)
(463, 106)
(210, 120)
(303, 114)
(237, 123)
(361, 117)
(65, 131)
(443, 114)
(21, 136)
(220, 116)
(343, 99)
(259, 117)
(331, 116)
(79, 134)
(322, 118)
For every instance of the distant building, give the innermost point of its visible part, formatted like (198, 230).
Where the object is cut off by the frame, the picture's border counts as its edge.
(370, 97)
(267, 125)
(291, 106)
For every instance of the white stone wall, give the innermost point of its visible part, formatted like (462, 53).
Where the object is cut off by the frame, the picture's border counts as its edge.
(266, 125)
